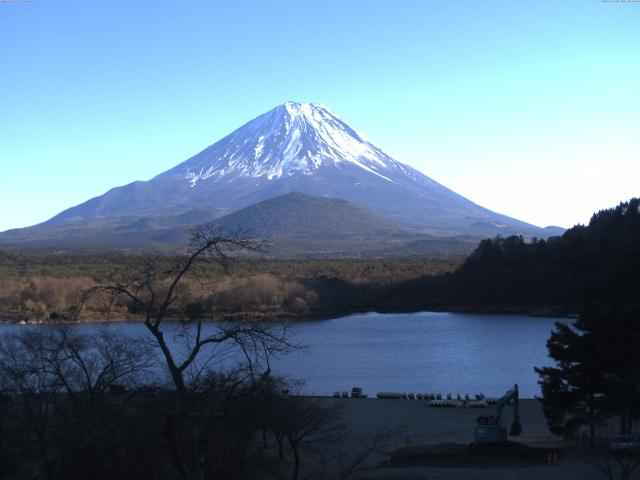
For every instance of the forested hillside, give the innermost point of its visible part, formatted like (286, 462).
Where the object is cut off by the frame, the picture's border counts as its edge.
(589, 264)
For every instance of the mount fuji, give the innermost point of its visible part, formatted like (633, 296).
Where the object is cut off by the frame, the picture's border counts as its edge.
(296, 147)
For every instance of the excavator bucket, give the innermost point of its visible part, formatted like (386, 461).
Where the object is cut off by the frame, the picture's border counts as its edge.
(516, 428)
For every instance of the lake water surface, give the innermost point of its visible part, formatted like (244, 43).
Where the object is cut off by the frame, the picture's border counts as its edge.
(425, 352)
(421, 352)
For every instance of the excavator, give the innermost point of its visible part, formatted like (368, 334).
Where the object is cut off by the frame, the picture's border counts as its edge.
(489, 429)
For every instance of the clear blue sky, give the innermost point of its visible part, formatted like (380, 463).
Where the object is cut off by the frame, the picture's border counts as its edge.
(530, 108)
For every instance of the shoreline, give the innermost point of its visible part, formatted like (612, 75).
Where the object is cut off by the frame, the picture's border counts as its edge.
(541, 312)
(554, 311)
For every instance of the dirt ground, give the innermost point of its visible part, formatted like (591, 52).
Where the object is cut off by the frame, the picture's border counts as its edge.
(422, 424)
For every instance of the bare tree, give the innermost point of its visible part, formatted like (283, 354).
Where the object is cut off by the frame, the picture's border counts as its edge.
(217, 368)
(60, 388)
(311, 431)
(156, 293)
(5, 456)
(614, 465)
(310, 425)
(350, 460)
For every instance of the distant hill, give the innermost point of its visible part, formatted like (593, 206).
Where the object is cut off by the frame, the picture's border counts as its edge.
(298, 225)
(299, 216)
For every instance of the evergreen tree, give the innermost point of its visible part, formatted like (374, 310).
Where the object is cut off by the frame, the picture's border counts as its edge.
(572, 391)
(597, 372)
(617, 330)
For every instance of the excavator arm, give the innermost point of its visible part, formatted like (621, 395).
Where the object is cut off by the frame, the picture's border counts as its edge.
(489, 429)
(516, 426)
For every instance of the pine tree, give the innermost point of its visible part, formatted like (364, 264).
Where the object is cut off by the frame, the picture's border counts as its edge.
(597, 372)
(573, 391)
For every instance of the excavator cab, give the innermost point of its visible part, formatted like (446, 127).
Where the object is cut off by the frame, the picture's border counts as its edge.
(485, 420)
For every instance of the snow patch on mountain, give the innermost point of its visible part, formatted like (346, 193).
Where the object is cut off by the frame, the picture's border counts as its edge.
(292, 139)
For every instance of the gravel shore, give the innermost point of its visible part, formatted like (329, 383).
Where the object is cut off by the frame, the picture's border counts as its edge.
(421, 424)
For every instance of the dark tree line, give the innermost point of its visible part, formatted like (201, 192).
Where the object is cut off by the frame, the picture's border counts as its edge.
(79, 405)
(594, 264)
(598, 263)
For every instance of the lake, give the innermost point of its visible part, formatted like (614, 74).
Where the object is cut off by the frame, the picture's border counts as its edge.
(426, 352)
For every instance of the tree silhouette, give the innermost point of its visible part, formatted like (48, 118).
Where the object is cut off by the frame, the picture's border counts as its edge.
(157, 295)
(597, 372)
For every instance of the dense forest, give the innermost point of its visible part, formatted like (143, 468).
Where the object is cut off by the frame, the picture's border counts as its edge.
(597, 263)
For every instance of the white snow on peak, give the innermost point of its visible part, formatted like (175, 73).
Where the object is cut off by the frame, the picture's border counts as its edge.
(292, 139)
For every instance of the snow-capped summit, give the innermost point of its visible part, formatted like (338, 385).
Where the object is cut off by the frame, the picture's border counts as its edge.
(299, 147)
(292, 139)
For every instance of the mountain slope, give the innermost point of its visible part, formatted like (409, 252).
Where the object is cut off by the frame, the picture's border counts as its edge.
(294, 225)
(300, 147)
